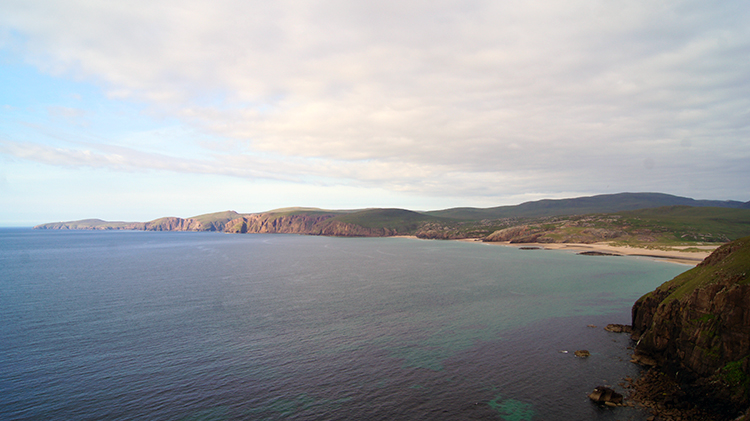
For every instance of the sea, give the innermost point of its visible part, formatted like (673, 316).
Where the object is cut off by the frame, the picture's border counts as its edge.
(130, 325)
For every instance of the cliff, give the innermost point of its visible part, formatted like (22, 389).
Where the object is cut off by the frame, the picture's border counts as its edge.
(207, 222)
(354, 224)
(277, 223)
(696, 328)
(658, 227)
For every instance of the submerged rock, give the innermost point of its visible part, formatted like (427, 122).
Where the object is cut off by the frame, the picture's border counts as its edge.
(597, 253)
(582, 353)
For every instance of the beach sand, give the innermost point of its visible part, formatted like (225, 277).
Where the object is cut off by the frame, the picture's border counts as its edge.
(674, 255)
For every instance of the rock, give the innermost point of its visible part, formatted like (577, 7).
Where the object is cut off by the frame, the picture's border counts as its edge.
(605, 395)
(696, 330)
(699, 321)
(597, 253)
(582, 353)
(644, 360)
(617, 328)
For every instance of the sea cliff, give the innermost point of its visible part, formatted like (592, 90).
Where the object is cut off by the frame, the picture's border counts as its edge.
(695, 330)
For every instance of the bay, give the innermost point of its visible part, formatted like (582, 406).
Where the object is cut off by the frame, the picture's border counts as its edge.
(124, 325)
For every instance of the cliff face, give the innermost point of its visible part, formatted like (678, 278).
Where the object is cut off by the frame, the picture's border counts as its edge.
(319, 224)
(173, 224)
(343, 229)
(268, 223)
(698, 324)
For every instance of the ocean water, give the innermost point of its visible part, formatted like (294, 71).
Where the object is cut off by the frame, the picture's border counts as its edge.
(207, 326)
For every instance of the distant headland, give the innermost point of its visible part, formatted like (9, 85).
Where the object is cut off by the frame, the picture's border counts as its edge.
(652, 220)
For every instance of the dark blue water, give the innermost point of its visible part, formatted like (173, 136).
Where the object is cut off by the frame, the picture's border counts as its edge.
(206, 326)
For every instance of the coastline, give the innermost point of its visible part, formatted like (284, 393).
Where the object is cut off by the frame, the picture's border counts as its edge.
(689, 258)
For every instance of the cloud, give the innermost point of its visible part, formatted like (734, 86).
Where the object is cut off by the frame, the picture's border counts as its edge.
(440, 97)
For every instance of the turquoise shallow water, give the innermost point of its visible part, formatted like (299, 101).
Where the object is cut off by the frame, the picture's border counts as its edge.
(206, 326)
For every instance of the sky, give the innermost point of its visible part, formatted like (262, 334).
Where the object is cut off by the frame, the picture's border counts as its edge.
(142, 109)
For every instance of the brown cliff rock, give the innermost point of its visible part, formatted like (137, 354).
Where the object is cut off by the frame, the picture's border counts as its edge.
(173, 224)
(269, 223)
(697, 326)
(343, 229)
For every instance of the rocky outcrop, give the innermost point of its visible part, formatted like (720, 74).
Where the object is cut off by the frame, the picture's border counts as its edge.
(618, 328)
(520, 234)
(697, 326)
(553, 233)
(431, 233)
(597, 253)
(606, 396)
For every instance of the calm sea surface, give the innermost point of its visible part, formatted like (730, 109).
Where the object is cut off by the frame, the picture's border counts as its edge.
(207, 326)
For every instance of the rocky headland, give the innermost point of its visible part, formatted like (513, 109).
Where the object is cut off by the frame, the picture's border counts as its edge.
(694, 334)
(642, 220)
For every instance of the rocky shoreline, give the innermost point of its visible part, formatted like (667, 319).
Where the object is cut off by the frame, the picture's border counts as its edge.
(663, 396)
(666, 400)
(693, 336)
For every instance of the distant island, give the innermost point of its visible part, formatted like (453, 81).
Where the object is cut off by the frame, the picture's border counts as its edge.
(634, 219)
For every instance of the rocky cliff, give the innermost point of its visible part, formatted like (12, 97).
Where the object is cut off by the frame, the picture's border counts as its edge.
(696, 327)
(272, 223)
(173, 224)
(206, 222)
(310, 224)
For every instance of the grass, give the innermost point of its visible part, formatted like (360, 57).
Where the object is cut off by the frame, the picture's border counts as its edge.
(736, 265)
(398, 219)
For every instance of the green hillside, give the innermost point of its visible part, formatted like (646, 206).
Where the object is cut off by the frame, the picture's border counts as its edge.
(398, 219)
(731, 261)
(606, 203)
(86, 224)
(668, 226)
(638, 219)
(216, 221)
(683, 223)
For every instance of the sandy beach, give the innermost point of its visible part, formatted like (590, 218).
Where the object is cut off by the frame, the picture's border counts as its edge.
(674, 255)
(690, 258)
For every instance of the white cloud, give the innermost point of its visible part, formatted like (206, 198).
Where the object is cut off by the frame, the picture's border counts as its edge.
(449, 97)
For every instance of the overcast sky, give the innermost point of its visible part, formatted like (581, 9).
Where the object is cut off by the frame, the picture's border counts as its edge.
(140, 109)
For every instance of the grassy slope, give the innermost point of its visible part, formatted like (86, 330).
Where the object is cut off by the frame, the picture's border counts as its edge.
(399, 219)
(730, 261)
(217, 217)
(85, 224)
(682, 223)
(606, 203)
